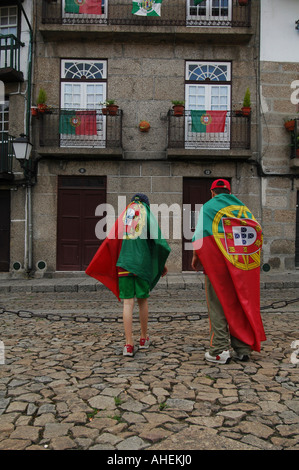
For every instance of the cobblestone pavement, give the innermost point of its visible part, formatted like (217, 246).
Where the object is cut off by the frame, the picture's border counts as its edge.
(64, 384)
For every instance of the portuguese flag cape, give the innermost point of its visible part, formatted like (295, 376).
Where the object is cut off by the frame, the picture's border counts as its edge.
(135, 243)
(228, 242)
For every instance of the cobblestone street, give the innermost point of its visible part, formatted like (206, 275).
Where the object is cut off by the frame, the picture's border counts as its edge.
(65, 384)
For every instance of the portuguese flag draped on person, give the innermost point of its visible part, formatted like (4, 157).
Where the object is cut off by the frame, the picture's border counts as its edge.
(135, 243)
(90, 7)
(228, 242)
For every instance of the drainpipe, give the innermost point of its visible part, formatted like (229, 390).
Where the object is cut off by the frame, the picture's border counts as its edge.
(29, 183)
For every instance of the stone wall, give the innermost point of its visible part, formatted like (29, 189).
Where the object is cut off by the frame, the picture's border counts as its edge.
(279, 191)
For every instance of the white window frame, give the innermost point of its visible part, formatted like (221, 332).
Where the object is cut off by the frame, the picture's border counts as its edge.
(200, 85)
(195, 12)
(83, 103)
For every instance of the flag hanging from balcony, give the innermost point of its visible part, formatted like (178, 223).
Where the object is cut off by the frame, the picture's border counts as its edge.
(147, 7)
(90, 7)
(208, 121)
(78, 122)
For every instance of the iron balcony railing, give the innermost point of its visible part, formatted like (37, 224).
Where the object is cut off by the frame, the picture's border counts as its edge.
(6, 153)
(209, 13)
(209, 130)
(10, 52)
(79, 128)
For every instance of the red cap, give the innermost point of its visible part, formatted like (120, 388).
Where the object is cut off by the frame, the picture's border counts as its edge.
(221, 184)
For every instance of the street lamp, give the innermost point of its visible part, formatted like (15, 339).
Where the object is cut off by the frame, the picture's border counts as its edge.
(22, 148)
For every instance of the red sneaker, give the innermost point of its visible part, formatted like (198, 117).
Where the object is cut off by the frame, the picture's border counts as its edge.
(128, 350)
(144, 343)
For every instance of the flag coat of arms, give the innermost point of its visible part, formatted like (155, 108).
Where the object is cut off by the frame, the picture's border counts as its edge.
(228, 241)
(135, 243)
(208, 121)
(90, 7)
(147, 7)
(78, 122)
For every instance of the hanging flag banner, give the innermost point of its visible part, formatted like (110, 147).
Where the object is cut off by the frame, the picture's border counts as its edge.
(147, 8)
(208, 121)
(78, 122)
(89, 7)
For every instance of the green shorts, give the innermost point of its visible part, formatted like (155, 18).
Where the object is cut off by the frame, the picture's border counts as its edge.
(133, 286)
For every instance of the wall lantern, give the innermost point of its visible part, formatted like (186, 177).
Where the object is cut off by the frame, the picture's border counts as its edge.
(22, 147)
(297, 24)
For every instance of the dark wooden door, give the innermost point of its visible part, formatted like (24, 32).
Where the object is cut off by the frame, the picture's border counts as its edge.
(196, 191)
(4, 230)
(78, 198)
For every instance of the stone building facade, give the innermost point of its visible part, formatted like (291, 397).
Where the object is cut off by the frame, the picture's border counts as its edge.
(279, 71)
(202, 55)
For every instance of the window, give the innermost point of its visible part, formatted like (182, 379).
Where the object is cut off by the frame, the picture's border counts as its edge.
(208, 98)
(9, 20)
(216, 11)
(4, 118)
(83, 92)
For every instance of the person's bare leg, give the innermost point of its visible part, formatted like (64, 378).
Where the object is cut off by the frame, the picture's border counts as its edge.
(128, 320)
(143, 316)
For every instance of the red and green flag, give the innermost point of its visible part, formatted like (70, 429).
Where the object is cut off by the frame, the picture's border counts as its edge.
(90, 7)
(78, 122)
(135, 244)
(208, 121)
(228, 241)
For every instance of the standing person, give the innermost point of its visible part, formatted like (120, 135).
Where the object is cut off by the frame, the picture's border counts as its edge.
(227, 244)
(130, 262)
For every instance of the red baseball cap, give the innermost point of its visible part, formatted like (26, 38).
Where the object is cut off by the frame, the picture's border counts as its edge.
(221, 184)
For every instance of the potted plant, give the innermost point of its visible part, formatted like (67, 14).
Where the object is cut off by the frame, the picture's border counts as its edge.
(246, 109)
(111, 107)
(41, 100)
(289, 124)
(144, 126)
(178, 107)
(243, 2)
(34, 111)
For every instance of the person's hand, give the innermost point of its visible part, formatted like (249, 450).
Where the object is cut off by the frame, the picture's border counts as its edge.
(195, 263)
(165, 271)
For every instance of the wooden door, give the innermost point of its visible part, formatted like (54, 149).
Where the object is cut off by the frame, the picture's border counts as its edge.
(78, 198)
(4, 230)
(195, 191)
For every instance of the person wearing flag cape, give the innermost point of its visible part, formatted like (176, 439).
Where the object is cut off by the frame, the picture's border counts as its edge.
(227, 245)
(130, 262)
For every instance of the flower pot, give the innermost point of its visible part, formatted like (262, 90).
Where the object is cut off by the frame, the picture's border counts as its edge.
(243, 2)
(246, 111)
(297, 153)
(41, 107)
(104, 111)
(112, 109)
(178, 110)
(34, 111)
(144, 126)
(289, 125)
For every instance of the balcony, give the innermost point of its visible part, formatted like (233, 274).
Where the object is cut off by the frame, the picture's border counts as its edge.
(190, 135)
(10, 70)
(6, 156)
(78, 132)
(116, 16)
